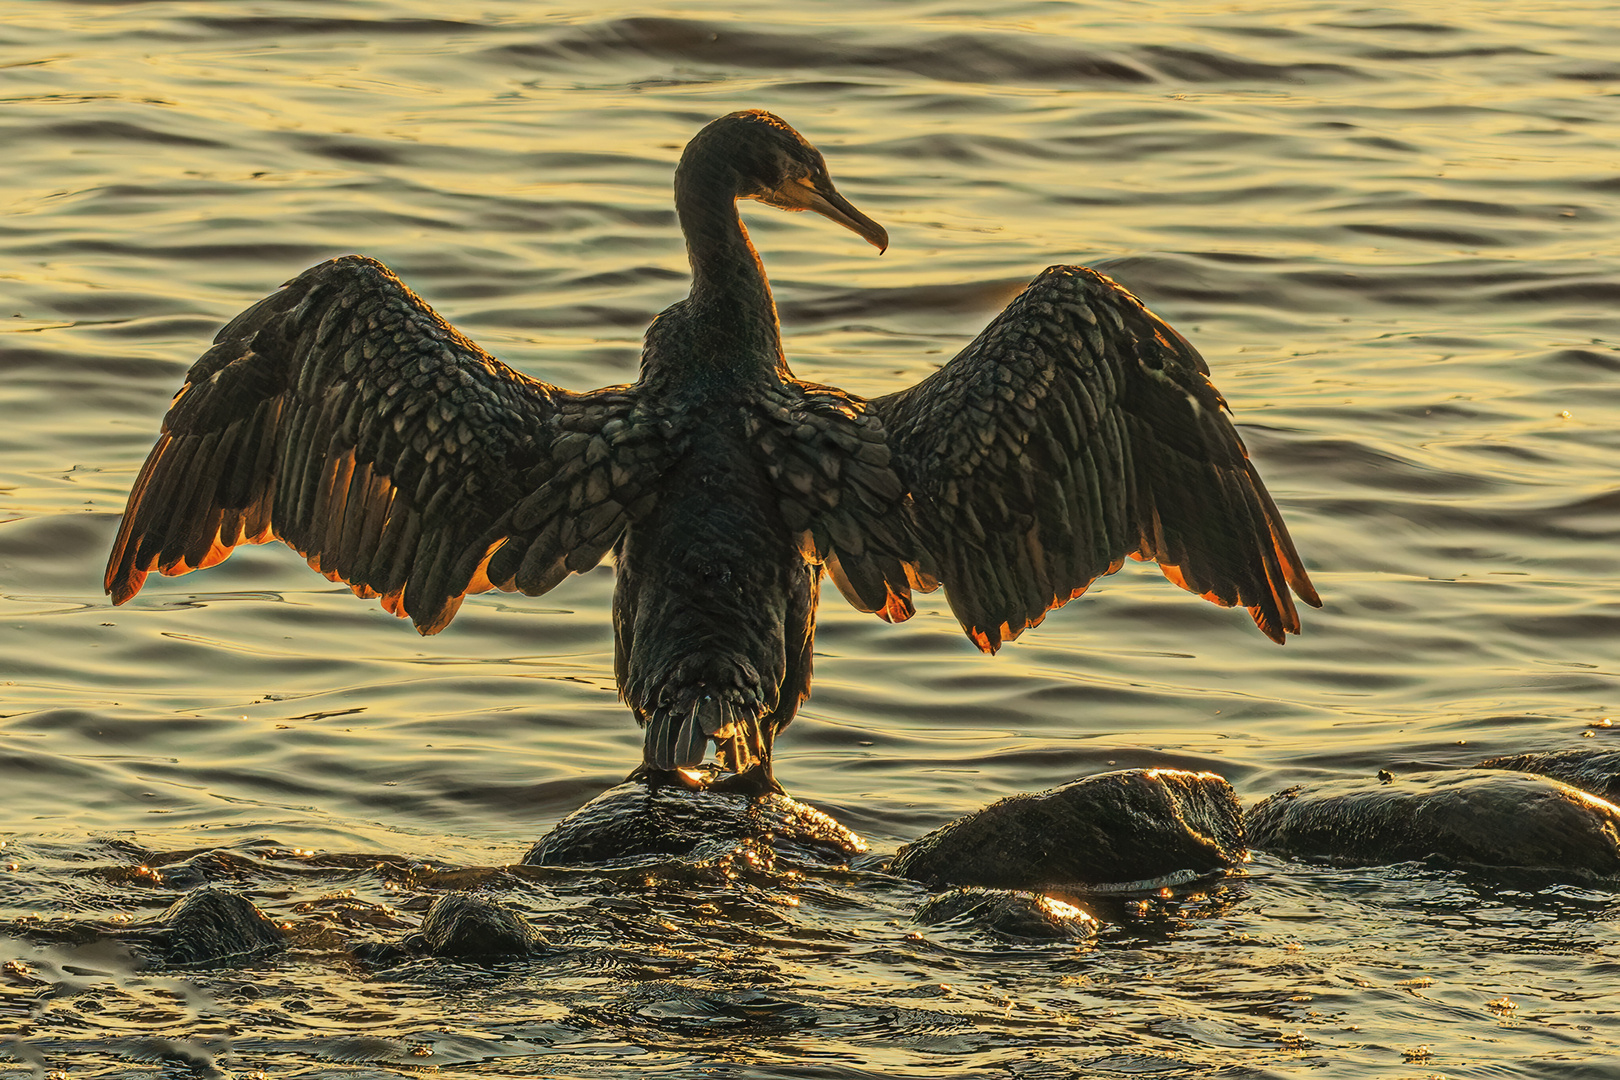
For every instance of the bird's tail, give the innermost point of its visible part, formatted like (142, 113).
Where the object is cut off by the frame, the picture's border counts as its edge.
(678, 735)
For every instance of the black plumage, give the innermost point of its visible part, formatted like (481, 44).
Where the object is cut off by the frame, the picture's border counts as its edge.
(343, 416)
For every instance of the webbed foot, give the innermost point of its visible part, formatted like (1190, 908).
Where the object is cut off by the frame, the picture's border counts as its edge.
(691, 779)
(757, 779)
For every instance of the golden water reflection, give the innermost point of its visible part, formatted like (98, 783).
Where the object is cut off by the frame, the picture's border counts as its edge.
(1388, 229)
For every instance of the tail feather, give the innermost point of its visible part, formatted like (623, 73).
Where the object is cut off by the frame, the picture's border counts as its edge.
(678, 736)
(691, 740)
(719, 717)
(659, 744)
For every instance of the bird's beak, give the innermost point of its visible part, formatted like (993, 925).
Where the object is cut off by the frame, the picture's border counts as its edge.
(823, 198)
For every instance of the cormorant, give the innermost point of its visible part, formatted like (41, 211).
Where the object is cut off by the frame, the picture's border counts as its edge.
(344, 417)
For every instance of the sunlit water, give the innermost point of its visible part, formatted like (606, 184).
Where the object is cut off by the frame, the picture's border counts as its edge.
(1391, 230)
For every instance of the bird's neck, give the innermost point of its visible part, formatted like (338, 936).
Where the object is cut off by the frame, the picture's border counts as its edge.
(731, 304)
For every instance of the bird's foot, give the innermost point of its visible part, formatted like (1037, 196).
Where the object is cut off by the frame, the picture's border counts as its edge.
(695, 779)
(753, 781)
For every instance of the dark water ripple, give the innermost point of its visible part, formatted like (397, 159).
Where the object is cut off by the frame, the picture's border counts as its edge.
(972, 58)
(1388, 229)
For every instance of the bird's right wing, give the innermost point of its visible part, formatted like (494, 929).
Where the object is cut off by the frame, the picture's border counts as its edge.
(1076, 430)
(343, 416)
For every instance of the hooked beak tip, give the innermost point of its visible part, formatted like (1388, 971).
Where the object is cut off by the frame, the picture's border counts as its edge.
(833, 206)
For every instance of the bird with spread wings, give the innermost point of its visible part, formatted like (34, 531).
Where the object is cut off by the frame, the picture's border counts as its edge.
(344, 417)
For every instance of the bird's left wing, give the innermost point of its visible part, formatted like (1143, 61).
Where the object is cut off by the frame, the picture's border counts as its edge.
(343, 416)
(1078, 429)
(829, 458)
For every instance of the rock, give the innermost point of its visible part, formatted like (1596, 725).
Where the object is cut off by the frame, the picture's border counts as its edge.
(472, 927)
(209, 925)
(1132, 826)
(1593, 771)
(1468, 816)
(1010, 914)
(632, 820)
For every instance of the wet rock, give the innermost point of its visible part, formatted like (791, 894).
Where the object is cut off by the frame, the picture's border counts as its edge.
(1469, 816)
(632, 820)
(1007, 913)
(472, 927)
(1136, 825)
(208, 925)
(1593, 771)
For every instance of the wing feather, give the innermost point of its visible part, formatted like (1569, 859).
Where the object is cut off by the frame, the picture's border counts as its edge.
(343, 416)
(1076, 430)
(828, 459)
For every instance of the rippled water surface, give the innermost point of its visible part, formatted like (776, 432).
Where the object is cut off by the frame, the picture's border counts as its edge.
(1390, 229)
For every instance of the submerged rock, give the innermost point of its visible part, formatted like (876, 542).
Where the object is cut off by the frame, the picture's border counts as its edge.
(1594, 771)
(1136, 826)
(472, 927)
(1470, 816)
(633, 820)
(1009, 913)
(209, 925)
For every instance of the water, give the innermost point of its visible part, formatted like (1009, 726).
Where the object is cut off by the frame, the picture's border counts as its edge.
(1389, 229)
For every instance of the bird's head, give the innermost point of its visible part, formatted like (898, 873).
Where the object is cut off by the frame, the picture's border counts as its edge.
(778, 166)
